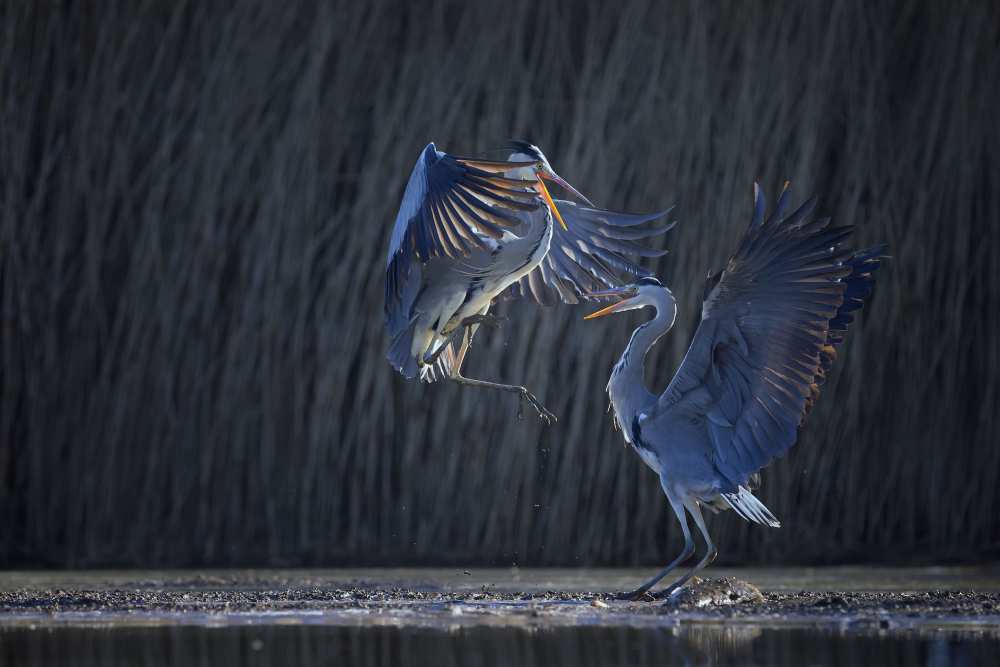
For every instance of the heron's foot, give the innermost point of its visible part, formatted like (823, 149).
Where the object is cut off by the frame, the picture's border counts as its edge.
(668, 592)
(725, 592)
(489, 320)
(634, 596)
(543, 413)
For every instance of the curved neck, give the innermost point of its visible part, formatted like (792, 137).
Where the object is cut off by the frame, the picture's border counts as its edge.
(627, 386)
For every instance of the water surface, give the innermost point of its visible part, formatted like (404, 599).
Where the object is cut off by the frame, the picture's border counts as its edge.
(378, 646)
(458, 616)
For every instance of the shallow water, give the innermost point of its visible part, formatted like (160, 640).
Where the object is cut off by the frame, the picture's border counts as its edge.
(376, 646)
(498, 616)
(783, 579)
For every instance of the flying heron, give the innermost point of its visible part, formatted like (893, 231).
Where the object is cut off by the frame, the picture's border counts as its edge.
(770, 325)
(469, 230)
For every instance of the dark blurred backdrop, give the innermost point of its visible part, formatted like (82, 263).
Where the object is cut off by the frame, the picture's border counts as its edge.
(195, 204)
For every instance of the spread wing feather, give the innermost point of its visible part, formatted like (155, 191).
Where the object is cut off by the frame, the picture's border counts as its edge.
(593, 253)
(451, 206)
(768, 336)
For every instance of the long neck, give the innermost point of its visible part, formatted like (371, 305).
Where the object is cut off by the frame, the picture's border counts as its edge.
(627, 386)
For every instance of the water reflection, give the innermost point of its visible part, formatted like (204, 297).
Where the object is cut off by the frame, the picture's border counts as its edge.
(375, 646)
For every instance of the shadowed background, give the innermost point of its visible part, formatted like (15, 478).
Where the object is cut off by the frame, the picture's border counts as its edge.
(195, 204)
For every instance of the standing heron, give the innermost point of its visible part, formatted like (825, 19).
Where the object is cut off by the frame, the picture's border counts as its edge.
(770, 325)
(469, 229)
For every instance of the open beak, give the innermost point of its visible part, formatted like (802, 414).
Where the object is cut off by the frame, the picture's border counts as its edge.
(552, 205)
(547, 173)
(558, 180)
(620, 292)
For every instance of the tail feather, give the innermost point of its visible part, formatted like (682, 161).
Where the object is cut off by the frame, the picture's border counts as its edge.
(400, 356)
(441, 368)
(750, 508)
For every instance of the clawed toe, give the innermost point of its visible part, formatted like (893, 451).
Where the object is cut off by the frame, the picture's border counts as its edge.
(635, 596)
(543, 413)
(668, 593)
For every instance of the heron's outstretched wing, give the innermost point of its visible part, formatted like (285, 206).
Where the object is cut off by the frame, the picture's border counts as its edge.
(592, 253)
(770, 326)
(451, 206)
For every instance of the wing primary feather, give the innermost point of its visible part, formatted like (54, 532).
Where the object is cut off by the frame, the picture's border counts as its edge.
(483, 212)
(493, 166)
(455, 238)
(470, 218)
(770, 325)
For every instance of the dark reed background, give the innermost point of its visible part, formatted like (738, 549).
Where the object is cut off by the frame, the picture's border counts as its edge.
(195, 202)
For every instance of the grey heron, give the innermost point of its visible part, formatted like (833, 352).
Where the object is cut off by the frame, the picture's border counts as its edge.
(470, 230)
(770, 325)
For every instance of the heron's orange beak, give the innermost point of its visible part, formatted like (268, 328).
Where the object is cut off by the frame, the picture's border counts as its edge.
(546, 172)
(552, 205)
(613, 308)
(564, 184)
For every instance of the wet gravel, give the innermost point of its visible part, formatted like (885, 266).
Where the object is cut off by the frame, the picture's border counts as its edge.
(712, 598)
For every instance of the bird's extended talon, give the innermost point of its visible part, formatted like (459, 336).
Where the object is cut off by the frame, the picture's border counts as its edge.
(543, 413)
(635, 596)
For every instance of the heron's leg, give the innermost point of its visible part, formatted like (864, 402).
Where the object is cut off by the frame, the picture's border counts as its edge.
(692, 507)
(429, 359)
(687, 552)
(483, 318)
(467, 326)
(463, 348)
(525, 395)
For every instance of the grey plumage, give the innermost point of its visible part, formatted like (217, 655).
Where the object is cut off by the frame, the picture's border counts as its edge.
(469, 230)
(591, 254)
(770, 325)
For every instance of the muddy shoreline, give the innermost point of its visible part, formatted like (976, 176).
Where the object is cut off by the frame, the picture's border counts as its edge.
(462, 598)
(805, 603)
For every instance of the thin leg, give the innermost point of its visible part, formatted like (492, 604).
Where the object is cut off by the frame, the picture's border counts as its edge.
(430, 359)
(525, 395)
(482, 318)
(456, 368)
(692, 507)
(687, 552)
(467, 330)
(467, 325)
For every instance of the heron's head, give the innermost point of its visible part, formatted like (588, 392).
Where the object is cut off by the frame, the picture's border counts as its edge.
(644, 292)
(540, 170)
